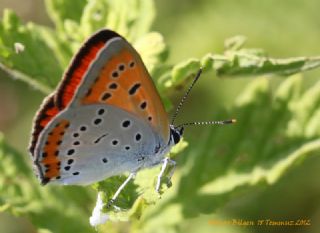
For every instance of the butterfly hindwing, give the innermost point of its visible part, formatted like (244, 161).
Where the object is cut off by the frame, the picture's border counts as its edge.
(80, 146)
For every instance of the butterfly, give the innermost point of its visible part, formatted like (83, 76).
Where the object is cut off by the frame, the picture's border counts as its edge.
(104, 119)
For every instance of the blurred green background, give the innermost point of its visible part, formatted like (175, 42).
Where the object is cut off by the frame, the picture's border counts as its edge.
(287, 28)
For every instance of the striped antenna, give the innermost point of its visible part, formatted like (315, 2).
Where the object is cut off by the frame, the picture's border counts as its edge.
(186, 95)
(225, 122)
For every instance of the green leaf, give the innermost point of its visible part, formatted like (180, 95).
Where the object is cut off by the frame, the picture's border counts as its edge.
(152, 49)
(137, 195)
(242, 63)
(21, 194)
(47, 53)
(132, 19)
(181, 72)
(271, 136)
(37, 64)
(61, 11)
(238, 62)
(235, 43)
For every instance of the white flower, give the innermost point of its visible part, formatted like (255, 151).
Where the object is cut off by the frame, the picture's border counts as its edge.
(18, 47)
(98, 217)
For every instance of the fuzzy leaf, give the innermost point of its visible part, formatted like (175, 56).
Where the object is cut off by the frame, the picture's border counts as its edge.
(152, 49)
(37, 64)
(237, 61)
(47, 53)
(242, 63)
(137, 195)
(61, 11)
(21, 194)
(266, 142)
(132, 19)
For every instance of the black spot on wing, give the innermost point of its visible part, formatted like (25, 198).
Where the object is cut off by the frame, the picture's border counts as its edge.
(134, 88)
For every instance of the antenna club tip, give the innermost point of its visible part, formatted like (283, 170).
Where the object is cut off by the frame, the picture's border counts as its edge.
(231, 121)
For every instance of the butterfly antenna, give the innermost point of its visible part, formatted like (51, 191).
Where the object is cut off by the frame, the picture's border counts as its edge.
(225, 122)
(186, 95)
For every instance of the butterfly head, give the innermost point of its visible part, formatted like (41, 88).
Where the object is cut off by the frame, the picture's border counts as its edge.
(175, 134)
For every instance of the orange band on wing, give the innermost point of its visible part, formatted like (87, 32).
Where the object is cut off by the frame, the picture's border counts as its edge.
(77, 74)
(51, 150)
(79, 65)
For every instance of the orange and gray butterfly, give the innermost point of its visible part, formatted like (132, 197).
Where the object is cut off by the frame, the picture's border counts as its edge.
(106, 118)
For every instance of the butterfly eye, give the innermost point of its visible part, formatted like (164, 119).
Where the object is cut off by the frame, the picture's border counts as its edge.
(175, 135)
(176, 138)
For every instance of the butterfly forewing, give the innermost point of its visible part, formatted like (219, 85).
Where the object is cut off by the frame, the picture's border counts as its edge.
(118, 77)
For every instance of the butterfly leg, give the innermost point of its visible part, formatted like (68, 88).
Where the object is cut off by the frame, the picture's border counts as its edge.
(130, 177)
(167, 161)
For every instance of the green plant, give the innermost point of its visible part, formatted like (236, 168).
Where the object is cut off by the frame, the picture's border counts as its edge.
(282, 125)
